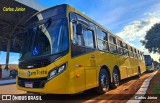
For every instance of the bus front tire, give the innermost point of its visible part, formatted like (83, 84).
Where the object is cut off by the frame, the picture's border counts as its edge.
(103, 82)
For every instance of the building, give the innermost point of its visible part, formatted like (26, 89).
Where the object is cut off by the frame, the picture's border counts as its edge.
(12, 22)
(10, 66)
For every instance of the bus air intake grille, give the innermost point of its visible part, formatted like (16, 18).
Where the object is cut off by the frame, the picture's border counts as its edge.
(37, 83)
(34, 64)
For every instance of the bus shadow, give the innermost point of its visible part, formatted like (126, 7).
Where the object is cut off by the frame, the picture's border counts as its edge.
(86, 95)
(134, 77)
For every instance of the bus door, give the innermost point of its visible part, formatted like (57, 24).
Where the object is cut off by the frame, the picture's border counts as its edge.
(131, 62)
(129, 67)
(127, 63)
(90, 58)
(84, 59)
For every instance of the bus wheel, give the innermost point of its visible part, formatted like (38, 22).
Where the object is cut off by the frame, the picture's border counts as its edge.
(103, 82)
(139, 73)
(116, 79)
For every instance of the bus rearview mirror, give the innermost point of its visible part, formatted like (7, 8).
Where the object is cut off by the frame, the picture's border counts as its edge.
(79, 29)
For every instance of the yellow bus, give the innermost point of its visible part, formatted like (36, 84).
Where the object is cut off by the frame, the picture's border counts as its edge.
(66, 52)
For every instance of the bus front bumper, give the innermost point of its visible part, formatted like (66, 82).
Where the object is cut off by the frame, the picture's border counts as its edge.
(57, 85)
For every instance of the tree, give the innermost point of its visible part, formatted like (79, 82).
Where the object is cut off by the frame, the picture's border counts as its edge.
(152, 39)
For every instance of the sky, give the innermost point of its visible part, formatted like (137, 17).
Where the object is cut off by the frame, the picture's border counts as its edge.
(129, 19)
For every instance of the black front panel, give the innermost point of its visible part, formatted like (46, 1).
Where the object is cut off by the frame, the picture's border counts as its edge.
(40, 61)
(37, 83)
(34, 64)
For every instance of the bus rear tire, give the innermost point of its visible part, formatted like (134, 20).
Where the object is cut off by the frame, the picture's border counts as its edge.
(116, 79)
(103, 82)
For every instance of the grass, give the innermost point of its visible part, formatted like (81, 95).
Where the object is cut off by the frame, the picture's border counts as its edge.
(156, 89)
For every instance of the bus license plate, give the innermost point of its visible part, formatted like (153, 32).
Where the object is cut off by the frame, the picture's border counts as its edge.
(28, 84)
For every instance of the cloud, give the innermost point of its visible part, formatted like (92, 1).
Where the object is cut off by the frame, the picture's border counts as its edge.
(154, 56)
(137, 28)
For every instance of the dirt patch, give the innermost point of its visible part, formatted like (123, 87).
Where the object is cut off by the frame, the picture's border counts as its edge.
(125, 91)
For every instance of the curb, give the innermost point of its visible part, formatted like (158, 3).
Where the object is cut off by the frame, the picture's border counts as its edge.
(142, 91)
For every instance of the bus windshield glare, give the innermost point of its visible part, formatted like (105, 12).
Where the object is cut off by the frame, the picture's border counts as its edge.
(45, 38)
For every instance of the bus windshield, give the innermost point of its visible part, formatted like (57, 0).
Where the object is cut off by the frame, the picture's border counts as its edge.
(45, 38)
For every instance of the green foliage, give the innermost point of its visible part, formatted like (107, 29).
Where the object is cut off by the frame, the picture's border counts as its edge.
(156, 89)
(152, 39)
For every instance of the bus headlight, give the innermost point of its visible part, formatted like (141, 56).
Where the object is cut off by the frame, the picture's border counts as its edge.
(57, 71)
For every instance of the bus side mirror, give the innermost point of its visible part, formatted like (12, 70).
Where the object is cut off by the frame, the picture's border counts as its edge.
(79, 29)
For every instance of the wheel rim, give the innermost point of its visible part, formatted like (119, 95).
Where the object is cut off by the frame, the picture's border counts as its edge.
(116, 78)
(104, 82)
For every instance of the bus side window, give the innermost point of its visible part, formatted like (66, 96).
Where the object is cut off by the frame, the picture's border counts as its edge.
(120, 47)
(77, 44)
(142, 56)
(136, 53)
(139, 57)
(88, 38)
(113, 47)
(102, 40)
(126, 52)
(102, 35)
(77, 39)
(131, 51)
